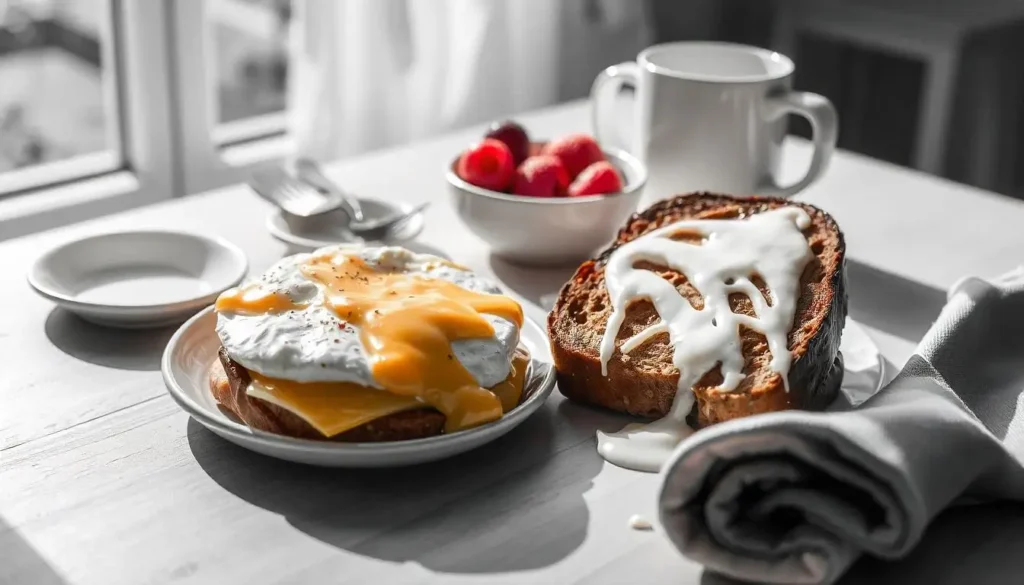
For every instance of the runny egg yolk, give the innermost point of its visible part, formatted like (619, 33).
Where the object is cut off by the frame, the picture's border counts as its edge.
(255, 301)
(407, 324)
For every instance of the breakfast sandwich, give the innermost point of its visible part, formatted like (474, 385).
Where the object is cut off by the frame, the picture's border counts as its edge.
(371, 344)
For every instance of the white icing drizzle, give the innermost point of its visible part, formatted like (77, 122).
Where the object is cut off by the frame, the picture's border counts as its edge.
(769, 244)
(638, 522)
(643, 446)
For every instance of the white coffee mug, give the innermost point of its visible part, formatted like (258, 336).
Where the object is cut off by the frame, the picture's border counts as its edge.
(712, 117)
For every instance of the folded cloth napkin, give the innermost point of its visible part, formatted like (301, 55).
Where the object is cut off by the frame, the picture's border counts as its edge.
(796, 497)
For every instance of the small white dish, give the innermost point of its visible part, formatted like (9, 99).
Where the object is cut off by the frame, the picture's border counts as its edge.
(138, 279)
(185, 366)
(863, 367)
(308, 234)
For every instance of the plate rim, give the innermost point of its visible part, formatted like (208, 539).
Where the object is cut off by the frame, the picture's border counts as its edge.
(287, 237)
(241, 266)
(244, 432)
(880, 382)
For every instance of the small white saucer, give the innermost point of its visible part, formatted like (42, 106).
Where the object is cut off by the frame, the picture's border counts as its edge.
(185, 366)
(138, 279)
(863, 365)
(306, 235)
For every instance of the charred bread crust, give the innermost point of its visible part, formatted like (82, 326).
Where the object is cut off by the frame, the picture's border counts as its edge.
(229, 382)
(645, 384)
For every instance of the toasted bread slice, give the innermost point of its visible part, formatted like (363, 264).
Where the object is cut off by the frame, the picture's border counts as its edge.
(644, 382)
(229, 382)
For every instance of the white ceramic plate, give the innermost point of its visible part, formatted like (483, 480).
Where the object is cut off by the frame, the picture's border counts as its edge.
(863, 367)
(306, 235)
(138, 279)
(194, 346)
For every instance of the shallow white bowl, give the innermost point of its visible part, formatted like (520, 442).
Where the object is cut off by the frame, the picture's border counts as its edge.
(548, 231)
(138, 279)
(192, 349)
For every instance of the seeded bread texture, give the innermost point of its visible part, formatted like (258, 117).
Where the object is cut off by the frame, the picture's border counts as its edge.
(644, 382)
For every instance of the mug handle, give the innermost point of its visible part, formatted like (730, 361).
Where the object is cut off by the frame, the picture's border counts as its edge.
(824, 126)
(606, 86)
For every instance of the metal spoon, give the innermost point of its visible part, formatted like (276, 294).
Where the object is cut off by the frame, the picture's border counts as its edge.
(304, 206)
(335, 224)
(384, 229)
(295, 197)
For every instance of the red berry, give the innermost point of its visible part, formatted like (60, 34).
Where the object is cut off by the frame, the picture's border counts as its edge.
(514, 137)
(597, 179)
(577, 152)
(487, 164)
(541, 176)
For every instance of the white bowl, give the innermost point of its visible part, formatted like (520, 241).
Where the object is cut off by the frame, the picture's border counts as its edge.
(138, 279)
(546, 231)
(192, 349)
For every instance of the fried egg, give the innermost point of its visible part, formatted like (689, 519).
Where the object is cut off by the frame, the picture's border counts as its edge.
(308, 342)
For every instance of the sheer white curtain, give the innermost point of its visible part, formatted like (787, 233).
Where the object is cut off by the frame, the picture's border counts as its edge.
(369, 73)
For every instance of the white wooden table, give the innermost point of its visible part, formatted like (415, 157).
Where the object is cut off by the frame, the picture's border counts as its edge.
(104, 481)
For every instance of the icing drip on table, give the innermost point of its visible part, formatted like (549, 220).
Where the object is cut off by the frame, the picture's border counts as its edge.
(730, 255)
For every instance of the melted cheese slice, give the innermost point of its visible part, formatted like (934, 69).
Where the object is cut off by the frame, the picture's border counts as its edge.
(330, 407)
(335, 407)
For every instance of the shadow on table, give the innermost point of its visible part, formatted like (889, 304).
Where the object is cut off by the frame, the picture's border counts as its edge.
(979, 545)
(888, 302)
(590, 419)
(123, 349)
(514, 504)
(20, 563)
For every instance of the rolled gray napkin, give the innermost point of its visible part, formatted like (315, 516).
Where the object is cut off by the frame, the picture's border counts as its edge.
(796, 497)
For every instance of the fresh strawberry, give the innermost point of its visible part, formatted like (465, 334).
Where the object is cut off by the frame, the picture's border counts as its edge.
(514, 137)
(576, 151)
(541, 176)
(597, 179)
(487, 164)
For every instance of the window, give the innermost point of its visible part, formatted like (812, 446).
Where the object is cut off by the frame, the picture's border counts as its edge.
(251, 66)
(235, 119)
(58, 107)
(85, 110)
(110, 104)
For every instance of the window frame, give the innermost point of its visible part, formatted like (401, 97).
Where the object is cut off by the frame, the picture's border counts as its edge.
(170, 143)
(212, 154)
(137, 53)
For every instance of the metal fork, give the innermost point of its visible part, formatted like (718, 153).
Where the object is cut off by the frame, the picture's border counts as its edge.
(290, 194)
(308, 171)
(305, 202)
